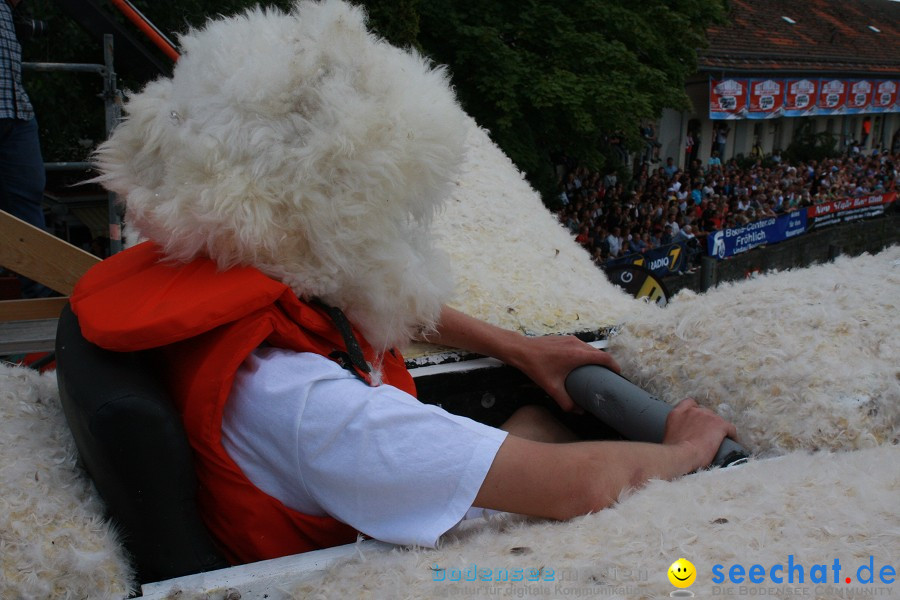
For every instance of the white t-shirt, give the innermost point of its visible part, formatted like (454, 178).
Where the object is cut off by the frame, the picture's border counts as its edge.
(309, 433)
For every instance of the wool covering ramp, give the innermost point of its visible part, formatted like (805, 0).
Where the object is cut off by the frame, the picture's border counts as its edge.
(802, 361)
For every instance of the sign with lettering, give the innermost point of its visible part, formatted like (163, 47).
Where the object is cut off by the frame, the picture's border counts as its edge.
(766, 98)
(731, 241)
(727, 99)
(832, 96)
(848, 209)
(884, 98)
(800, 97)
(859, 96)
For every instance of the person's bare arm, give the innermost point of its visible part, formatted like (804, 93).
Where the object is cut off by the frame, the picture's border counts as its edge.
(547, 360)
(561, 481)
(564, 480)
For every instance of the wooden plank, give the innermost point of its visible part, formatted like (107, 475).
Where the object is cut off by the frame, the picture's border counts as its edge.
(19, 337)
(35, 308)
(38, 255)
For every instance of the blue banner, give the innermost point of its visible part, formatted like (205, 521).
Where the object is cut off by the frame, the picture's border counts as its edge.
(662, 261)
(729, 242)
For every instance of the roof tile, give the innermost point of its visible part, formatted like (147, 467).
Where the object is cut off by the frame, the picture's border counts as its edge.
(829, 37)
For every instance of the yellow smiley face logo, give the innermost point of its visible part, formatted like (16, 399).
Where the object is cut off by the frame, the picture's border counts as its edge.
(682, 573)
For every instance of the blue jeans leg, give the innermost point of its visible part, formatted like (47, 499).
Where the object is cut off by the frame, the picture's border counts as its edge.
(22, 176)
(22, 180)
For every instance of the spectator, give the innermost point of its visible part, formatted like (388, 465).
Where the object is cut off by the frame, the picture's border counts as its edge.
(651, 145)
(666, 237)
(22, 175)
(721, 139)
(582, 237)
(673, 222)
(614, 218)
(610, 179)
(756, 151)
(729, 196)
(683, 235)
(635, 244)
(601, 240)
(692, 247)
(767, 210)
(670, 169)
(615, 242)
(691, 146)
(696, 194)
(676, 184)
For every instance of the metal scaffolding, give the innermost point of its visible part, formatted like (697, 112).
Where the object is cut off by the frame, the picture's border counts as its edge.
(112, 100)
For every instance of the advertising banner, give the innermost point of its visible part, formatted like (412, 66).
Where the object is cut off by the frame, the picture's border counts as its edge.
(884, 99)
(859, 96)
(729, 242)
(773, 98)
(662, 261)
(766, 98)
(800, 97)
(849, 209)
(832, 97)
(728, 99)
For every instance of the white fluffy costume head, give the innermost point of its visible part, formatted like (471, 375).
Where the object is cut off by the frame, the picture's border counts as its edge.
(304, 146)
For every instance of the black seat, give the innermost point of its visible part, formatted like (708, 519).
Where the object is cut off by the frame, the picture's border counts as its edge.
(132, 443)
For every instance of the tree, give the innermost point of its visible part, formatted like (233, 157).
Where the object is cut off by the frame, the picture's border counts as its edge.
(545, 75)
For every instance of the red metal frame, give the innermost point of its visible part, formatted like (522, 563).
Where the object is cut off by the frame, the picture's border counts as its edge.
(147, 28)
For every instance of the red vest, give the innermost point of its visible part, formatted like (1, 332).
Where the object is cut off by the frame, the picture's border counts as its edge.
(205, 323)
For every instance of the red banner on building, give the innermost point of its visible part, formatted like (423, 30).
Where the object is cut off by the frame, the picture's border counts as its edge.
(859, 95)
(766, 98)
(832, 95)
(775, 97)
(885, 96)
(800, 96)
(727, 99)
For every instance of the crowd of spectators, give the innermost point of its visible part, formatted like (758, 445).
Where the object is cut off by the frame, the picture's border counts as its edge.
(664, 204)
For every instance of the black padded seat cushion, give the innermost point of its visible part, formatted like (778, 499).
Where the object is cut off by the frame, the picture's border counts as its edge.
(133, 445)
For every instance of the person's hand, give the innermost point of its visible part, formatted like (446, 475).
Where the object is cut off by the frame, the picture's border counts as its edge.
(698, 430)
(548, 360)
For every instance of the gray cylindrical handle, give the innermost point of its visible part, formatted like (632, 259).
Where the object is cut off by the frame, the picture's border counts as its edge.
(631, 411)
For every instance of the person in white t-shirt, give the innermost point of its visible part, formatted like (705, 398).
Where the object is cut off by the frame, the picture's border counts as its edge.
(317, 154)
(615, 242)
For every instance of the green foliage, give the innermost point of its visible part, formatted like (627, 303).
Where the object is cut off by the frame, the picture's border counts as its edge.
(544, 75)
(397, 21)
(808, 145)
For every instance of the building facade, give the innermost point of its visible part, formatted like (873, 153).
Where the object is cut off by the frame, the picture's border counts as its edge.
(779, 68)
